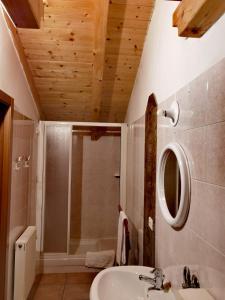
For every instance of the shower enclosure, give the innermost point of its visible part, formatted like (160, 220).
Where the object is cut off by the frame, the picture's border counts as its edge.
(80, 167)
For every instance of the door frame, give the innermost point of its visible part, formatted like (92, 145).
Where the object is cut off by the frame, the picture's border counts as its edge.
(6, 106)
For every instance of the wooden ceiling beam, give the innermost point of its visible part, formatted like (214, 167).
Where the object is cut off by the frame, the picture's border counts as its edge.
(101, 18)
(24, 63)
(102, 128)
(25, 13)
(96, 132)
(194, 17)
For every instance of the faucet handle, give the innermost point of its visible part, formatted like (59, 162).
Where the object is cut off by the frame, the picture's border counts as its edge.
(159, 278)
(189, 281)
(158, 272)
(187, 278)
(195, 282)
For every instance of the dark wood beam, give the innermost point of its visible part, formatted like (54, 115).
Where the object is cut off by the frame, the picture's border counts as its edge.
(25, 13)
(150, 180)
(96, 132)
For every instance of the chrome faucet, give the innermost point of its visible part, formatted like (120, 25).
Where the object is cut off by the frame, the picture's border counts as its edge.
(156, 281)
(190, 281)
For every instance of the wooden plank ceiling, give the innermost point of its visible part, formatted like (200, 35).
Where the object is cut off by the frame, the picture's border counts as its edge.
(85, 57)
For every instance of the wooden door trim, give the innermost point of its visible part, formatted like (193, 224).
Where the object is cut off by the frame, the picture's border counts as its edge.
(5, 183)
(150, 180)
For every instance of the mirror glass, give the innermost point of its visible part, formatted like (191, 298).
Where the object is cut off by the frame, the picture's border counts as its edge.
(172, 184)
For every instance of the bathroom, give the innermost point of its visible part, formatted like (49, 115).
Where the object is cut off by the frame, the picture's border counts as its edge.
(92, 101)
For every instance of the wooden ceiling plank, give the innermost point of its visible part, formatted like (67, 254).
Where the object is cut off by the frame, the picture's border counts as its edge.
(55, 65)
(69, 101)
(80, 6)
(64, 95)
(69, 78)
(61, 81)
(66, 103)
(129, 12)
(134, 2)
(128, 42)
(56, 34)
(46, 46)
(101, 18)
(134, 50)
(58, 55)
(121, 60)
(121, 23)
(61, 88)
(59, 74)
(57, 21)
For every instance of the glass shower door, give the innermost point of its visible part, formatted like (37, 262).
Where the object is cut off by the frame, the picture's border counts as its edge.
(56, 188)
(95, 191)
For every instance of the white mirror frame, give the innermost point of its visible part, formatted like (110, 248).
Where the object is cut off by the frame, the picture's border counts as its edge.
(183, 210)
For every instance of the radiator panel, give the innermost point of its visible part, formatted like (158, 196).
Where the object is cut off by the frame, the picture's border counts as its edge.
(25, 263)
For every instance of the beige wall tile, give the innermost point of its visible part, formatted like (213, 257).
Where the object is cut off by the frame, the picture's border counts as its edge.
(192, 101)
(207, 211)
(98, 199)
(215, 139)
(216, 94)
(200, 241)
(201, 133)
(22, 188)
(194, 143)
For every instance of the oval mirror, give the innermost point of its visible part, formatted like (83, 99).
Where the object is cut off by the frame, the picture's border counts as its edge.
(174, 185)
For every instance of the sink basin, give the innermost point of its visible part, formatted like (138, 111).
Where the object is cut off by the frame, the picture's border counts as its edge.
(122, 283)
(161, 295)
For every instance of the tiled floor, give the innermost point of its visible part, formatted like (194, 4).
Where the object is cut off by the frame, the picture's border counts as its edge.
(74, 286)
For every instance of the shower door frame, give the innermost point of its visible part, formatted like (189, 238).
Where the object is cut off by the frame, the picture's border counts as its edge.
(42, 177)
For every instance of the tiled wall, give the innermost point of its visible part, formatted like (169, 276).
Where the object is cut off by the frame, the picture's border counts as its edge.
(95, 189)
(135, 188)
(22, 206)
(201, 132)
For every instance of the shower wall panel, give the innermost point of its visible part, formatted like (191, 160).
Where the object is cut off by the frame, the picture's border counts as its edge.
(56, 189)
(95, 189)
(76, 186)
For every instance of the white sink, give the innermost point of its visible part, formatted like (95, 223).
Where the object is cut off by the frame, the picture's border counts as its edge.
(161, 295)
(122, 283)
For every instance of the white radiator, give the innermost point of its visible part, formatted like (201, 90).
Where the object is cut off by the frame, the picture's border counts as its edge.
(25, 263)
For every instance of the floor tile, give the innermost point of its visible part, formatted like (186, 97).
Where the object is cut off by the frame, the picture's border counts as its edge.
(49, 292)
(53, 279)
(72, 286)
(77, 291)
(80, 277)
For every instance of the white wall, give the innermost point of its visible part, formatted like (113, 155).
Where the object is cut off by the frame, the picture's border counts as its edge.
(169, 62)
(12, 77)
